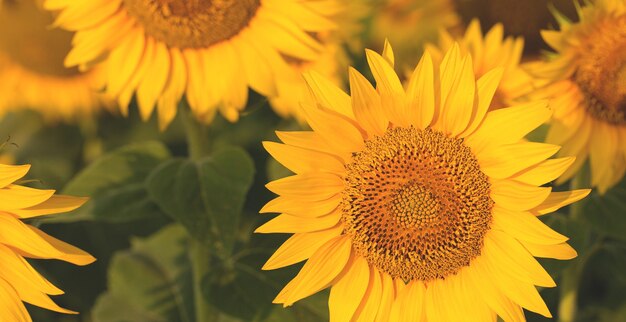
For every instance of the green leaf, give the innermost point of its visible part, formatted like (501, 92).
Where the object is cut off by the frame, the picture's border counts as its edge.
(149, 282)
(115, 185)
(207, 195)
(606, 213)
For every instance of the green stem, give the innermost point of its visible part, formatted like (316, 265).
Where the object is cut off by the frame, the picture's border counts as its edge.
(198, 142)
(200, 257)
(571, 276)
(199, 146)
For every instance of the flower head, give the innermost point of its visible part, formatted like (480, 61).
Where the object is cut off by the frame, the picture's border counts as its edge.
(19, 281)
(491, 51)
(211, 51)
(417, 203)
(31, 66)
(585, 80)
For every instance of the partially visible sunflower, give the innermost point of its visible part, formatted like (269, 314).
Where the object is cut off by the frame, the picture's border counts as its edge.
(586, 81)
(410, 24)
(331, 63)
(31, 66)
(208, 50)
(19, 281)
(489, 52)
(417, 204)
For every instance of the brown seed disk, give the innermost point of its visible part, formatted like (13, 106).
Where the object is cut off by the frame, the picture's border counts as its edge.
(601, 72)
(192, 23)
(416, 205)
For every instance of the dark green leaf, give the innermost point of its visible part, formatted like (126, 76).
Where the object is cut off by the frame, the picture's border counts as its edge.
(606, 214)
(115, 185)
(150, 282)
(206, 195)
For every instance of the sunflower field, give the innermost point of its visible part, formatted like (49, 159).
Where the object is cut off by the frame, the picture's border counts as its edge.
(312, 160)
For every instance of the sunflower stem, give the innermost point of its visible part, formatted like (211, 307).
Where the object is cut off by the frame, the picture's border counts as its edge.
(570, 279)
(198, 142)
(200, 256)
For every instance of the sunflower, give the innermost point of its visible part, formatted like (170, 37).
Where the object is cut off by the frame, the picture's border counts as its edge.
(19, 281)
(488, 52)
(31, 66)
(417, 204)
(411, 23)
(586, 81)
(331, 63)
(210, 51)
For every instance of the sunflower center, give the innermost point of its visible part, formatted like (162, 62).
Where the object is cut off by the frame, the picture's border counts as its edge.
(601, 74)
(417, 204)
(192, 23)
(27, 40)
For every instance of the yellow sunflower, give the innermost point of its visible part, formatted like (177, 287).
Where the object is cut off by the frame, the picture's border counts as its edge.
(31, 66)
(417, 204)
(331, 63)
(19, 281)
(586, 82)
(411, 23)
(208, 50)
(489, 52)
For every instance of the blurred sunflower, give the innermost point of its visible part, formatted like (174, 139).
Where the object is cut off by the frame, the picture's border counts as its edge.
(489, 52)
(586, 82)
(410, 23)
(331, 63)
(210, 51)
(19, 281)
(31, 65)
(417, 204)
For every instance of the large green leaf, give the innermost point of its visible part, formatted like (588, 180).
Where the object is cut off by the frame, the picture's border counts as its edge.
(207, 195)
(150, 282)
(115, 185)
(606, 213)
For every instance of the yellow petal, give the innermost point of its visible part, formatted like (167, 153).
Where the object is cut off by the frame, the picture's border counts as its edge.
(457, 101)
(18, 197)
(388, 53)
(504, 161)
(32, 242)
(514, 195)
(515, 259)
(310, 140)
(421, 93)
(478, 279)
(389, 86)
(409, 304)
(328, 94)
(300, 208)
(12, 173)
(387, 297)
(545, 171)
(524, 294)
(508, 125)
(366, 104)
(318, 272)
(314, 186)
(174, 90)
(300, 247)
(524, 226)
(347, 293)
(17, 270)
(301, 160)
(369, 307)
(293, 224)
(561, 251)
(556, 200)
(485, 89)
(56, 204)
(10, 305)
(335, 129)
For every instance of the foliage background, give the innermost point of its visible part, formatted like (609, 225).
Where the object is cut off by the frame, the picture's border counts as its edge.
(161, 210)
